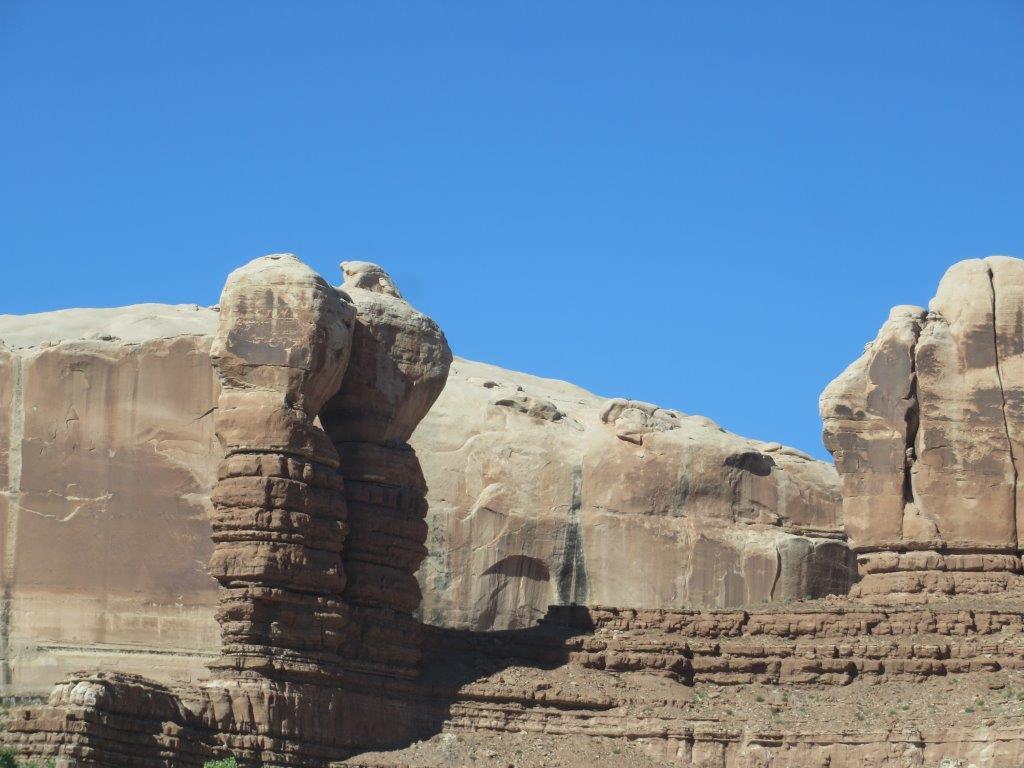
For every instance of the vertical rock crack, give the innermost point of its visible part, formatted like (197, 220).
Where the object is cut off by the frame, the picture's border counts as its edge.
(912, 419)
(1002, 401)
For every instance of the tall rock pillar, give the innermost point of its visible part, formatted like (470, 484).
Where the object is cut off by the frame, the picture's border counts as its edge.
(281, 351)
(399, 365)
(926, 429)
(317, 539)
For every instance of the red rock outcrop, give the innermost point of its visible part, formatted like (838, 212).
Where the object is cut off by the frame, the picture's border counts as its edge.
(926, 431)
(312, 661)
(318, 529)
(399, 365)
(826, 684)
(537, 498)
(108, 452)
(279, 519)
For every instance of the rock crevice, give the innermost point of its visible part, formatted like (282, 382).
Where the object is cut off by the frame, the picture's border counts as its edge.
(1002, 399)
(941, 387)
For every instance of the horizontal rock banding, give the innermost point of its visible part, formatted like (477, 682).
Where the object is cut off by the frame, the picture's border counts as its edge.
(317, 576)
(319, 526)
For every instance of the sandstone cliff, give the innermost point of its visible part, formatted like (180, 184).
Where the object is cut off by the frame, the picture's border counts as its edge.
(926, 429)
(318, 522)
(109, 456)
(539, 493)
(542, 493)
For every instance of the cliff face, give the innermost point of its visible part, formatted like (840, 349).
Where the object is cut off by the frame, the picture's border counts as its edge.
(539, 492)
(542, 493)
(109, 457)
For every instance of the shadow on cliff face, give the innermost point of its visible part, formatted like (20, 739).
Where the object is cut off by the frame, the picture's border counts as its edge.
(753, 462)
(521, 566)
(454, 659)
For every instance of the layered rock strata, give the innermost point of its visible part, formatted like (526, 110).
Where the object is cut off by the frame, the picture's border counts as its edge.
(827, 684)
(400, 362)
(279, 519)
(539, 493)
(311, 663)
(925, 428)
(318, 528)
(824, 684)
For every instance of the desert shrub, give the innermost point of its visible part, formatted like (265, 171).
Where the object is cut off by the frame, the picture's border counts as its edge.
(9, 759)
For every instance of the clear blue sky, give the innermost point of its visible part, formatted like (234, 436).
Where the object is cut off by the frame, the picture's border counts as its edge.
(710, 206)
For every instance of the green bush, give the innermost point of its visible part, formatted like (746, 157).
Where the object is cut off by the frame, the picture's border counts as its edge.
(226, 763)
(9, 759)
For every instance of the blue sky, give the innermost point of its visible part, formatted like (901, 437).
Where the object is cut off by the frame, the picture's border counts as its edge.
(710, 206)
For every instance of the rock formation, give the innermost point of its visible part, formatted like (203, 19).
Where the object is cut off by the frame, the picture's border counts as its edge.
(527, 506)
(107, 460)
(926, 431)
(400, 362)
(542, 493)
(279, 519)
(827, 684)
(311, 663)
(317, 518)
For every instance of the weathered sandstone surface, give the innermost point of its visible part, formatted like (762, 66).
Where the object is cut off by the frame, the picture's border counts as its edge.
(319, 520)
(828, 685)
(108, 460)
(542, 493)
(317, 524)
(539, 493)
(926, 430)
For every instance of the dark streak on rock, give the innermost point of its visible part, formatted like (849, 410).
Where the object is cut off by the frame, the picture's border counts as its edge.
(572, 575)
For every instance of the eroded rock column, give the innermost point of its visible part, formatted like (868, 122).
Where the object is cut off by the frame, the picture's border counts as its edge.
(276, 692)
(399, 366)
(925, 428)
(281, 351)
(315, 546)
